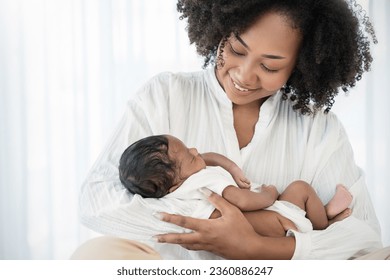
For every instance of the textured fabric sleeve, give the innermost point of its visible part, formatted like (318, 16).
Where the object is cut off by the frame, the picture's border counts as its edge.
(104, 202)
(335, 164)
(343, 239)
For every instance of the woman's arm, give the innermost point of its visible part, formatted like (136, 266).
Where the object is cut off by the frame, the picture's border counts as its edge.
(344, 239)
(104, 204)
(215, 159)
(328, 161)
(207, 234)
(333, 164)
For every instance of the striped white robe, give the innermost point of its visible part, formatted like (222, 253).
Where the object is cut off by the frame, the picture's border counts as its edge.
(286, 146)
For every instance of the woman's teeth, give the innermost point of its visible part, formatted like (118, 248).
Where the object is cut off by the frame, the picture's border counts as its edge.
(239, 88)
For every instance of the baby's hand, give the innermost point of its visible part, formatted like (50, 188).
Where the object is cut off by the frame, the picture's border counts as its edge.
(270, 191)
(240, 178)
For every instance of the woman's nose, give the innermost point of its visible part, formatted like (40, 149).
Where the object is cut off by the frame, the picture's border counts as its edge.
(247, 75)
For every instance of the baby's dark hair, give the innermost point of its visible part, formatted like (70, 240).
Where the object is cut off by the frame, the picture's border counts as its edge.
(146, 169)
(334, 53)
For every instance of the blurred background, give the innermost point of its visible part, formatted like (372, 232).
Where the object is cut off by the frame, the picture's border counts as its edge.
(67, 68)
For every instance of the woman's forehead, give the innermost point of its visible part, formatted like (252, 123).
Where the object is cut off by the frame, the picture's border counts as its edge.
(274, 32)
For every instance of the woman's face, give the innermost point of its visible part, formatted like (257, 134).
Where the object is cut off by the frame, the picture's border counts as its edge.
(258, 62)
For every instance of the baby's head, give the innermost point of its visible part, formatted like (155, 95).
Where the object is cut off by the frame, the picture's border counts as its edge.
(157, 165)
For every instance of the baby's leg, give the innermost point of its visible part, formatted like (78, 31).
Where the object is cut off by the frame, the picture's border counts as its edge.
(339, 202)
(269, 223)
(304, 196)
(264, 222)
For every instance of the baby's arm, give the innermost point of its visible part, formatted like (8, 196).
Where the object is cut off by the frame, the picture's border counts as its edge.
(247, 200)
(214, 159)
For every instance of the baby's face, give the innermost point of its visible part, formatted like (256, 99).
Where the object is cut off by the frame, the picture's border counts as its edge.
(189, 161)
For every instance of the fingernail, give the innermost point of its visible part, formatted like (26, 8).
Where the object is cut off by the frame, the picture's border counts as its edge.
(205, 191)
(157, 215)
(154, 238)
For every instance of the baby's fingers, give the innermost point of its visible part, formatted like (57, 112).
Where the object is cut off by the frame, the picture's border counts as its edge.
(244, 183)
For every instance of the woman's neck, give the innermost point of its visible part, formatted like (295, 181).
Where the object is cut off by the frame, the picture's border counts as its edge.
(245, 118)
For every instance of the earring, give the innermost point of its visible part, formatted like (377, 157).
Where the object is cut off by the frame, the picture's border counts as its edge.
(286, 90)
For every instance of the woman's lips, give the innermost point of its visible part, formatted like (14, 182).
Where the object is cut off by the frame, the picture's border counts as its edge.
(240, 89)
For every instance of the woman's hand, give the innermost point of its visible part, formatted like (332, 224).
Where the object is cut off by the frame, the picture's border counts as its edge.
(230, 236)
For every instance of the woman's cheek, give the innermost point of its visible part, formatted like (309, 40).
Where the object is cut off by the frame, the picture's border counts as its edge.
(273, 83)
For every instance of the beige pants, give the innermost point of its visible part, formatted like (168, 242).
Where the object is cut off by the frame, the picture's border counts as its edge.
(112, 248)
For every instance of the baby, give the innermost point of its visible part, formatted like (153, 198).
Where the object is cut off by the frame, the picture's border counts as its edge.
(158, 166)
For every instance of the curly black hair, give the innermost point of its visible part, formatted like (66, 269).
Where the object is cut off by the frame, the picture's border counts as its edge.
(335, 49)
(146, 169)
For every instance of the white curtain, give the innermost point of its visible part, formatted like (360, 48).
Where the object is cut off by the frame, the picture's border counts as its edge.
(365, 113)
(67, 68)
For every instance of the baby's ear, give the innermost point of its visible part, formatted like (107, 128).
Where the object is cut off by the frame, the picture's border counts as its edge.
(173, 188)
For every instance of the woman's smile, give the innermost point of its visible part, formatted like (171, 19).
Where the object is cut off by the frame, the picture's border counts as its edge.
(238, 86)
(239, 89)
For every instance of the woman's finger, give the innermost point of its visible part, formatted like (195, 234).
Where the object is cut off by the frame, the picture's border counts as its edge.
(220, 203)
(196, 247)
(183, 239)
(182, 221)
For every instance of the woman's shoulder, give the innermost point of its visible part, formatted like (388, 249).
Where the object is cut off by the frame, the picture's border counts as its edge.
(168, 83)
(327, 120)
(318, 117)
(173, 78)
(319, 123)
(167, 88)
(327, 127)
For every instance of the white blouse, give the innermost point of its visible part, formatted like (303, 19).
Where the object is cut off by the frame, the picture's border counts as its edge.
(286, 146)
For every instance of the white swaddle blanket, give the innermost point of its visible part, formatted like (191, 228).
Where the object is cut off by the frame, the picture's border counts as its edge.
(186, 200)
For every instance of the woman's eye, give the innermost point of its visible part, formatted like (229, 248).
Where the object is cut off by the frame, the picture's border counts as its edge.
(268, 69)
(234, 51)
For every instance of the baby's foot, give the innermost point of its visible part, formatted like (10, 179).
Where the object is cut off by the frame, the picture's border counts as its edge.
(339, 202)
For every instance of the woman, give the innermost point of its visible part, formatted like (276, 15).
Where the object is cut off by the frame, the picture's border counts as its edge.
(264, 103)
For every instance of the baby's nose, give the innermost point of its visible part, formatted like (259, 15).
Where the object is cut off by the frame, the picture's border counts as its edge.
(194, 151)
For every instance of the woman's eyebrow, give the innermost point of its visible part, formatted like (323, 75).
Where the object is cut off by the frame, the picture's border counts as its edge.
(271, 56)
(242, 41)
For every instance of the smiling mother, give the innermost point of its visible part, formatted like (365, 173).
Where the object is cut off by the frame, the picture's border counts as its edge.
(276, 67)
(256, 64)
